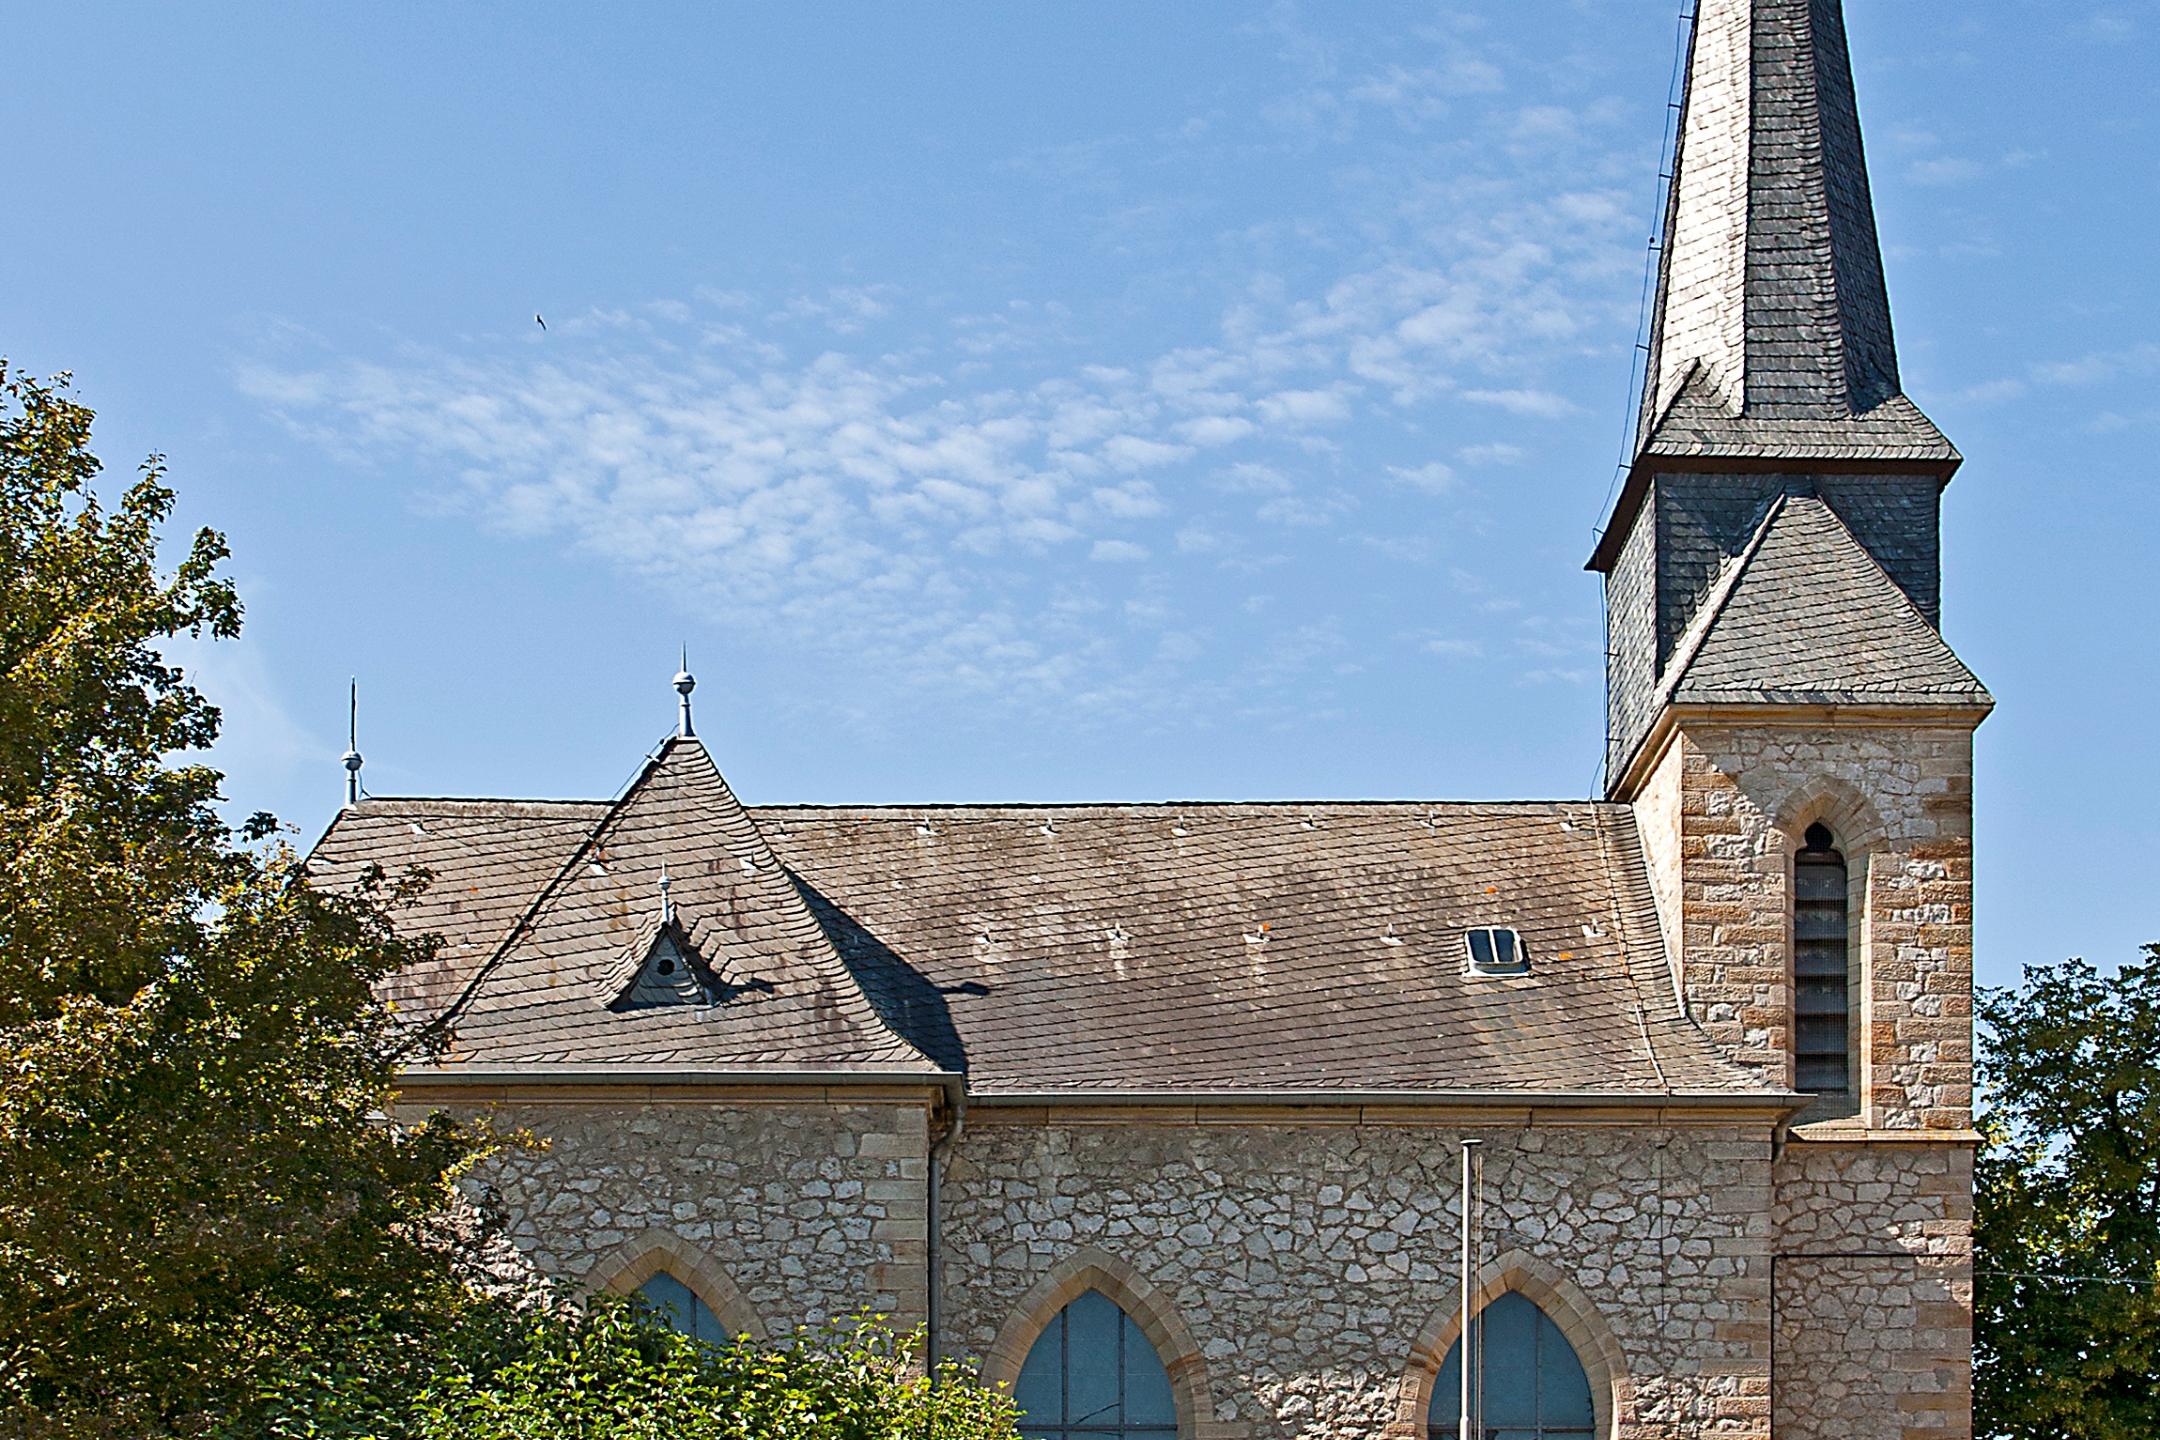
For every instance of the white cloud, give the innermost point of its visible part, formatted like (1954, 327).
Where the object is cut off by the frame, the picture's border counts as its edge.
(911, 482)
(1944, 171)
(1433, 477)
(1541, 404)
(1305, 407)
(1131, 452)
(1211, 430)
(1496, 452)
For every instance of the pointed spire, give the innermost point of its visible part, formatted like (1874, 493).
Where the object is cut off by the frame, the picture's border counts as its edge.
(667, 906)
(685, 682)
(1770, 338)
(352, 760)
(1772, 323)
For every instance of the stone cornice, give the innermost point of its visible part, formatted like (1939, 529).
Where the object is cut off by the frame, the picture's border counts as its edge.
(1760, 716)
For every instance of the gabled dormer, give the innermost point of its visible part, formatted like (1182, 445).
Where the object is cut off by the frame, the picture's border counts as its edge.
(662, 969)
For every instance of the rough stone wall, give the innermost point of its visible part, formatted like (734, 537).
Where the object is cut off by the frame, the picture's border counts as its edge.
(1657, 821)
(1313, 1265)
(1900, 802)
(812, 1210)
(1873, 1291)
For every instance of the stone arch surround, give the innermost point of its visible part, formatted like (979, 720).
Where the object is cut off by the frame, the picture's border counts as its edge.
(622, 1270)
(1576, 1314)
(1137, 1296)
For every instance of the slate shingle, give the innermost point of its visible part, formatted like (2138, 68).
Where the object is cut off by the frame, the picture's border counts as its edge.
(1806, 616)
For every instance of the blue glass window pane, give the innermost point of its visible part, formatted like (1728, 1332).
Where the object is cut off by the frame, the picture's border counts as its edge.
(1092, 1326)
(679, 1305)
(1533, 1386)
(1041, 1388)
(1147, 1384)
(1447, 1393)
(1510, 1350)
(670, 1297)
(1563, 1387)
(1092, 1375)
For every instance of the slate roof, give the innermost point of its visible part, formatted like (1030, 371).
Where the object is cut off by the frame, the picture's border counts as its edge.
(1804, 615)
(1771, 334)
(488, 860)
(1103, 950)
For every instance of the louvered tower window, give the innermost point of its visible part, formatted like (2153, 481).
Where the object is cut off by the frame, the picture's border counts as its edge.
(1822, 995)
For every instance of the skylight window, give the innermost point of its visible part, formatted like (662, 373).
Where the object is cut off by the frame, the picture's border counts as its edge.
(1496, 950)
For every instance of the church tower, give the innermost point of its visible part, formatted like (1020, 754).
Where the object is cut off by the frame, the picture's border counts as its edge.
(1783, 713)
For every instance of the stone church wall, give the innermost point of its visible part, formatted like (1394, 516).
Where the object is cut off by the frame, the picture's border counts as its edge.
(1297, 1269)
(1301, 1279)
(803, 1210)
(1873, 1291)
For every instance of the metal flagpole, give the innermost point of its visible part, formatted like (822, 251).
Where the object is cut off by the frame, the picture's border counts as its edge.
(1468, 1430)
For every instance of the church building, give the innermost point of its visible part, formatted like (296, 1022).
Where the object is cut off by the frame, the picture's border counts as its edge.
(1157, 1112)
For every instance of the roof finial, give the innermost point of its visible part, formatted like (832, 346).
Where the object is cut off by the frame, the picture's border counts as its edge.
(667, 906)
(352, 745)
(685, 682)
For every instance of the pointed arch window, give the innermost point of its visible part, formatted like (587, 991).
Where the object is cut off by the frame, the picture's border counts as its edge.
(679, 1305)
(1093, 1375)
(1526, 1382)
(1822, 988)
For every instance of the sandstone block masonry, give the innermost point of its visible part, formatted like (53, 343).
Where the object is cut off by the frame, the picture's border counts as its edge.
(1721, 816)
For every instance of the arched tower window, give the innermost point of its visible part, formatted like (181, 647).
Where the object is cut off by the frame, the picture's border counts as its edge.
(1092, 1375)
(1526, 1382)
(1822, 993)
(679, 1305)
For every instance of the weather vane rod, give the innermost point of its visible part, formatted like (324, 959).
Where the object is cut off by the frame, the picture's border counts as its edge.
(352, 744)
(685, 682)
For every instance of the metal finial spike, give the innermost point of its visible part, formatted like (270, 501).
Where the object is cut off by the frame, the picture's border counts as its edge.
(352, 760)
(685, 682)
(667, 906)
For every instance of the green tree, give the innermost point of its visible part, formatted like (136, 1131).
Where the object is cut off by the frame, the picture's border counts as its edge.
(2067, 1306)
(195, 1176)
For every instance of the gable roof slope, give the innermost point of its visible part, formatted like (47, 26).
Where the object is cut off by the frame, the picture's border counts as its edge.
(487, 862)
(1075, 950)
(544, 996)
(1266, 948)
(1804, 615)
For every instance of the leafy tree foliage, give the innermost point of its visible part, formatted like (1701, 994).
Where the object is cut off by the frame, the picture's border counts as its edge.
(207, 1225)
(2068, 1225)
(194, 1173)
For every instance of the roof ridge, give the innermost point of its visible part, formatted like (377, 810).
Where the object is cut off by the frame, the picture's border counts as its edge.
(904, 809)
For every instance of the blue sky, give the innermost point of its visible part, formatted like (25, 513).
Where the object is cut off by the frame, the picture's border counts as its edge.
(1118, 401)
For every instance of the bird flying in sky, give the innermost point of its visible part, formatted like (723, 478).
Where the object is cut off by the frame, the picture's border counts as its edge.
(538, 321)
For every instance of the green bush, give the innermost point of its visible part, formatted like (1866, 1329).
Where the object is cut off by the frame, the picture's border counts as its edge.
(611, 1371)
